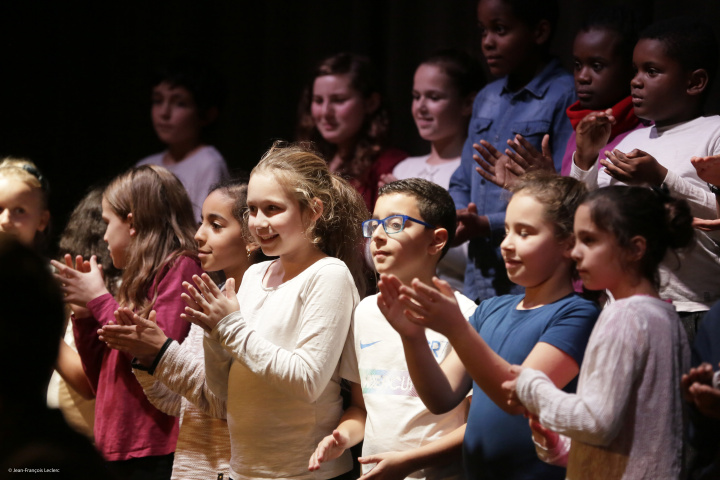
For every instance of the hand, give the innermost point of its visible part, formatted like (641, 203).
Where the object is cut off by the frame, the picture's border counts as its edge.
(702, 374)
(527, 157)
(435, 309)
(546, 438)
(329, 448)
(81, 282)
(510, 386)
(214, 305)
(706, 225)
(390, 466)
(470, 225)
(592, 134)
(494, 166)
(634, 168)
(708, 168)
(142, 338)
(393, 310)
(386, 178)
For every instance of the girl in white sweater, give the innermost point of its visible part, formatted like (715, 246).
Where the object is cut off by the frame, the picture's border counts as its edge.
(273, 350)
(625, 421)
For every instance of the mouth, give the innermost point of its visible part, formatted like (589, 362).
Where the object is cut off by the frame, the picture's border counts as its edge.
(510, 263)
(584, 94)
(492, 59)
(264, 239)
(636, 99)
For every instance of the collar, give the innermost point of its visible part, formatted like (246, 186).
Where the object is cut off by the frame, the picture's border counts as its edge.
(540, 83)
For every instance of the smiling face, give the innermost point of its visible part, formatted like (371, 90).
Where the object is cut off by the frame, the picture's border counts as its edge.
(507, 42)
(437, 108)
(602, 74)
(275, 219)
(660, 85)
(406, 254)
(596, 253)
(337, 109)
(22, 213)
(532, 252)
(221, 245)
(118, 234)
(175, 115)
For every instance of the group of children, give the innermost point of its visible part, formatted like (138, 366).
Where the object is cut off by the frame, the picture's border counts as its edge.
(257, 330)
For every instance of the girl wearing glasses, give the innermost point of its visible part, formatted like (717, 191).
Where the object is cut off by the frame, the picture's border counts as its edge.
(273, 350)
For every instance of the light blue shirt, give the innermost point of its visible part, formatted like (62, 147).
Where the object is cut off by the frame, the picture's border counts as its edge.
(498, 115)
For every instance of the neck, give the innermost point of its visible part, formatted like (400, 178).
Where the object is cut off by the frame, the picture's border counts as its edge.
(425, 277)
(178, 153)
(549, 291)
(517, 80)
(447, 148)
(236, 274)
(633, 285)
(294, 264)
(682, 117)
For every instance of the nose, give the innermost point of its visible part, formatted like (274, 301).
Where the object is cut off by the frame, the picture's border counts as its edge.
(379, 233)
(583, 76)
(4, 217)
(488, 42)
(575, 253)
(636, 82)
(200, 235)
(507, 244)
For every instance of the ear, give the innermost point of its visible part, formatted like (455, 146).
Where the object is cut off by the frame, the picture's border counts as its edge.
(638, 246)
(316, 211)
(567, 246)
(697, 81)
(129, 220)
(210, 116)
(542, 32)
(251, 247)
(440, 238)
(44, 221)
(372, 103)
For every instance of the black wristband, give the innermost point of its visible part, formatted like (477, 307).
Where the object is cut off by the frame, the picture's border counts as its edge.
(714, 189)
(137, 366)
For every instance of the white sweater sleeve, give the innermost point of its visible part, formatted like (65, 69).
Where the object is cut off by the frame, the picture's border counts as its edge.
(589, 177)
(217, 367)
(702, 201)
(306, 369)
(158, 394)
(614, 357)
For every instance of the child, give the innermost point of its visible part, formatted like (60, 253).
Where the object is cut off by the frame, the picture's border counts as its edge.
(150, 237)
(547, 327)
(342, 112)
(626, 420)
(273, 350)
(412, 227)
(24, 195)
(175, 377)
(444, 88)
(530, 99)
(186, 98)
(675, 61)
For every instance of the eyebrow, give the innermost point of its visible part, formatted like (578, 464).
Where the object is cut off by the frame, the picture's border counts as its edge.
(214, 216)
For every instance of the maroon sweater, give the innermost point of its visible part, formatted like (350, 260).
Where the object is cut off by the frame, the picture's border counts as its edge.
(126, 424)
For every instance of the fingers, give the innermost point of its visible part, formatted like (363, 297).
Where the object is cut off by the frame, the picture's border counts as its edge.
(230, 287)
(487, 166)
(488, 176)
(545, 146)
(472, 209)
(195, 295)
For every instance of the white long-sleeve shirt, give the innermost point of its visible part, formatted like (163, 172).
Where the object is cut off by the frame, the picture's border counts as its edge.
(626, 420)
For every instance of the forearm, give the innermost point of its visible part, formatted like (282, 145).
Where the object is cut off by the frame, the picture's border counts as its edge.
(443, 451)
(70, 368)
(703, 203)
(159, 394)
(352, 425)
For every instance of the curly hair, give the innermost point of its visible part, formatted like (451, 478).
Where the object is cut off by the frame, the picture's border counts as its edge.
(337, 231)
(163, 220)
(372, 138)
(84, 235)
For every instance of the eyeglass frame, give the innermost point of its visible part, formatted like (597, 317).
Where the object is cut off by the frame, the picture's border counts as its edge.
(382, 222)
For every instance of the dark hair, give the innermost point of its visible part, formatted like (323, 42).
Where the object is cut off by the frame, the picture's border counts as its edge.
(532, 12)
(28, 292)
(464, 70)
(373, 135)
(560, 195)
(199, 78)
(435, 204)
(84, 235)
(663, 221)
(620, 19)
(236, 190)
(688, 41)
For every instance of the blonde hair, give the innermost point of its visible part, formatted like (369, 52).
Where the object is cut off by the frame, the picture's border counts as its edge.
(337, 231)
(163, 220)
(27, 172)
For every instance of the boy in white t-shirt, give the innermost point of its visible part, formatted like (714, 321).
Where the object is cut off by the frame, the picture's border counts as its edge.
(412, 227)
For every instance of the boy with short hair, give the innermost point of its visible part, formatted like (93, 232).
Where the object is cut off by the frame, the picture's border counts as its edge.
(676, 60)
(186, 98)
(412, 226)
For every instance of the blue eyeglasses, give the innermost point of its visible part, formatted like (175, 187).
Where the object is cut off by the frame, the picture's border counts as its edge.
(392, 224)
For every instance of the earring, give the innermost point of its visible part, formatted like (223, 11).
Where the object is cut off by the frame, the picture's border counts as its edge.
(249, 253)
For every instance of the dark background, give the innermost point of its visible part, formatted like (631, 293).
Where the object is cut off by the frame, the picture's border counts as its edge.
(75, 97)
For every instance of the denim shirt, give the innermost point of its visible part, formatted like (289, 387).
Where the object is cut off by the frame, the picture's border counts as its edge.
(498, 115)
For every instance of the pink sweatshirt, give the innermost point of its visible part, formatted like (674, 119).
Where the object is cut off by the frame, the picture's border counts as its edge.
(126, 424)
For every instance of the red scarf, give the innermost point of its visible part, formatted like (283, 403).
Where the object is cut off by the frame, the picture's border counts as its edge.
(625, 118)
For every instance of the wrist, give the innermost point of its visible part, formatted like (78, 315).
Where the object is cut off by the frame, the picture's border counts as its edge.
(584, 159)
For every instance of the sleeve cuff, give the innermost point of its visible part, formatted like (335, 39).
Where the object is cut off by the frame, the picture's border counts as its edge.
(150, 370)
